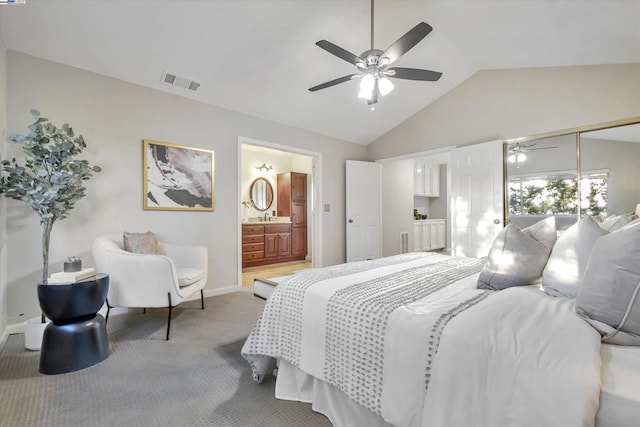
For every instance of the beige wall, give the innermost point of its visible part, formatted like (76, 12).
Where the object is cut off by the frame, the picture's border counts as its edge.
(503, 104)
(3, 212)
(114, 117)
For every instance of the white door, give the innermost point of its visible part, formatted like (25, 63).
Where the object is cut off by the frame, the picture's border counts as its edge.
(476, 198)
(363, 204)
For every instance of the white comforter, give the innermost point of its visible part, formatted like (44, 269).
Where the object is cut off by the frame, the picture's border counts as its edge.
(520, 358)
(516, 357)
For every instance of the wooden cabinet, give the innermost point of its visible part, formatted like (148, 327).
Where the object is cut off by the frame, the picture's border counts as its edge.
(292, 202)
(429, 234)
(266, 244)
(277, 240)
(426, 180)
(252, 243)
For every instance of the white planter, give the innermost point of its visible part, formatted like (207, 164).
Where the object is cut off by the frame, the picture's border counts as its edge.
(33, 332)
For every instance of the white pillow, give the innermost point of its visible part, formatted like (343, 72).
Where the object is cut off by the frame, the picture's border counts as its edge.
(610, 296)
(614, 222)
(517, 257)
(563, 273)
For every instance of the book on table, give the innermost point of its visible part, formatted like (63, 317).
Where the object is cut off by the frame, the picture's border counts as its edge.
(72, 277)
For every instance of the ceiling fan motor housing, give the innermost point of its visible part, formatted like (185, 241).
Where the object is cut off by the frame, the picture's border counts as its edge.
(371, 57)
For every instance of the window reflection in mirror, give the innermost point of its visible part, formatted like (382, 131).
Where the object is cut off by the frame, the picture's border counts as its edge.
(542, 181)
(261, 194)
(610, 168)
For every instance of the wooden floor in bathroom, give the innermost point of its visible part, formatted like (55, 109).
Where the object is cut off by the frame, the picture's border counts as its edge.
(269, 271)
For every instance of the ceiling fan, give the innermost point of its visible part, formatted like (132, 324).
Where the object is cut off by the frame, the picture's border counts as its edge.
(517, 152)
(374, 65)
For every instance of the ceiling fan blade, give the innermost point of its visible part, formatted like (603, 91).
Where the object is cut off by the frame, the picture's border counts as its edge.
(333, 82)
(413, 74)
(340, 52)
(540, 148)
(406, 42)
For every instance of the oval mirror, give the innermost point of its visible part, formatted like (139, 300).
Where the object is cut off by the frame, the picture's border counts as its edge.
(261, 194)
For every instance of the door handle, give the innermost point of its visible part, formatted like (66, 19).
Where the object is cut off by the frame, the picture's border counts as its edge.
(350, 221)
(496, 221)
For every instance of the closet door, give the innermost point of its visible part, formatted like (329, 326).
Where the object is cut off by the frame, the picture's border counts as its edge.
(477, 198)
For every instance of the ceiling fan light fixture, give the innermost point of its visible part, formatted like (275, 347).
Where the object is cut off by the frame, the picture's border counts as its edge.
(385, 86)
(366, 87)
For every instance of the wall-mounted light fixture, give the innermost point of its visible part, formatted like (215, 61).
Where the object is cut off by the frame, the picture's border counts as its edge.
(264, 168)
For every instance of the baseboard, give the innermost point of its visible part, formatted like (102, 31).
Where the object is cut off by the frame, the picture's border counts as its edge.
(18, 328)
(215, 292)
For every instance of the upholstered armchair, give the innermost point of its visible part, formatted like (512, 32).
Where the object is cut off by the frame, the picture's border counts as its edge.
(144, 280)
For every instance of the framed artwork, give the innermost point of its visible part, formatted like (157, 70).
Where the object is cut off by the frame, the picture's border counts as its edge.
(177, 178)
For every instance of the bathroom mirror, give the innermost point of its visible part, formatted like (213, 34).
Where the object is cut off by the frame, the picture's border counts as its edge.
(261, 194)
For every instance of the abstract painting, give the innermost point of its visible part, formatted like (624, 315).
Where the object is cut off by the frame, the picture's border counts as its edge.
(177, 177)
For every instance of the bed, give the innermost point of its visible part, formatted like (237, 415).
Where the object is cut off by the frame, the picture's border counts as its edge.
(410, 340)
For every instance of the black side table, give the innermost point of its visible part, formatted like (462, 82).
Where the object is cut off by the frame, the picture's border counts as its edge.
(77, 336)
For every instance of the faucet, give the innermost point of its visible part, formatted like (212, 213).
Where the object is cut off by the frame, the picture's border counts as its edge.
(266, 216)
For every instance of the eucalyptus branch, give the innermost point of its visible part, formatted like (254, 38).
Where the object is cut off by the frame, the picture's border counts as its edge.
(50, 181)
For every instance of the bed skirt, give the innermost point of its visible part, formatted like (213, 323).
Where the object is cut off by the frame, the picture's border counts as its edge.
(295, 384)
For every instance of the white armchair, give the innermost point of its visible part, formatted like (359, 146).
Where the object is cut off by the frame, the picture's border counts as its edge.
(138, 280)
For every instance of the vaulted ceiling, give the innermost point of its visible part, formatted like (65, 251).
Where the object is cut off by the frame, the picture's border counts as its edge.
(259, 56)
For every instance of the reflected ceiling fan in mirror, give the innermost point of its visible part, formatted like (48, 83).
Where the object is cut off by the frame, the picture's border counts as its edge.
(517, 152)
(374, 65)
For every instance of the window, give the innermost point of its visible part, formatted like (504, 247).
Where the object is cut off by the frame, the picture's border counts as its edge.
(556, 194)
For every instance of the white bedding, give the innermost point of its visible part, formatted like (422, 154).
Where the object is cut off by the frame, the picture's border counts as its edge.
(514, 357)
(620, 389)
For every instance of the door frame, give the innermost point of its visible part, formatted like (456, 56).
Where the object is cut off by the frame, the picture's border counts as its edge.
(314, 219)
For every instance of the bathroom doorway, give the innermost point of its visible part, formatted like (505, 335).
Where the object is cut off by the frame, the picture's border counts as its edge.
(291, 236)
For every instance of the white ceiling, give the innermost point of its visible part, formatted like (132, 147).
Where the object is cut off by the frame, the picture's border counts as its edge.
(259, 56)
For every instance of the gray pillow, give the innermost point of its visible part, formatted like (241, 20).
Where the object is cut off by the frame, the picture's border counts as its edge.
(610, 295)
(615, 222)
(562, 275)
(517, 257)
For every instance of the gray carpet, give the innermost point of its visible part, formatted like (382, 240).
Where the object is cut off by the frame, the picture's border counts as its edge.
(197, 378)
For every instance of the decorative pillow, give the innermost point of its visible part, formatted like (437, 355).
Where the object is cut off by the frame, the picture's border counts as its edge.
(517, 257)
(614, 222)
(563, 274)
(610, 295)
(188, 276)
(632, 223)
(142, 243)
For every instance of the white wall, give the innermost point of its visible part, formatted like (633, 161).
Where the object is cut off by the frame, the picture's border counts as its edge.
(114, 117)
(3, 211)
(504, 104)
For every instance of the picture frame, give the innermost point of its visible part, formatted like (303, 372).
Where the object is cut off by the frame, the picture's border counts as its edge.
(177, 177)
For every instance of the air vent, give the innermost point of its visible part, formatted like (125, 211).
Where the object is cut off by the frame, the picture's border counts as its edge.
(182, 82)
(404, 242)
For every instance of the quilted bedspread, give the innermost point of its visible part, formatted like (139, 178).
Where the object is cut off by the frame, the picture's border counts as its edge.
(373, 330)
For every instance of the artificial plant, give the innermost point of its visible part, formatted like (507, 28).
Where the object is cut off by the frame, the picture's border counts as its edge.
(50, 179)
